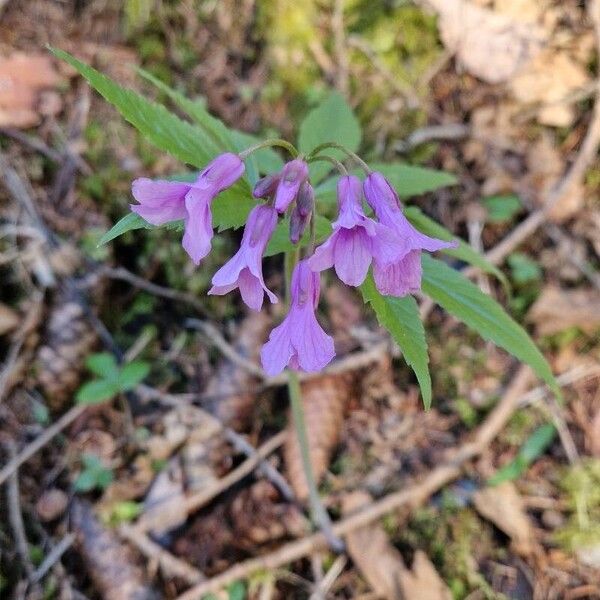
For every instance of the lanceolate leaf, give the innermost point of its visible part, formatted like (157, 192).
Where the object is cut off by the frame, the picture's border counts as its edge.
(129, 222)
(166, 131)
(332, 120)
(464, 251)
(400, 316)
(467, 302)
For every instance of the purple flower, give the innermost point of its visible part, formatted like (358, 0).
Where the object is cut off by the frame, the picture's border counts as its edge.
(163, 201)
(293, 175)
(299, 341)
(244, 269)
(302, 211)
(403, 276)
(356, 240)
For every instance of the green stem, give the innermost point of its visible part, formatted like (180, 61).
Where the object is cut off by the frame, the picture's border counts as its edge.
(318, 513)
(336, 163)
(345, 150)
(266, 144)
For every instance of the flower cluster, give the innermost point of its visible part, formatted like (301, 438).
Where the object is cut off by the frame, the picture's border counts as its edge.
(388, 243)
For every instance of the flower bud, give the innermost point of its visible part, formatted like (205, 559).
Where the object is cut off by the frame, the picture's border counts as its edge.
(267, 186)
(300, 216)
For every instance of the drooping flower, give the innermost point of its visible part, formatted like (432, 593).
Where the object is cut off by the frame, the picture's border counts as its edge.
(163, 201)
(293, 175)
(403, 276)
(244, 269)
(356, 240)
(299, 342)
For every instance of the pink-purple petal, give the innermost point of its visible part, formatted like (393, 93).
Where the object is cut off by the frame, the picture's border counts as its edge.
(159, 201)
(352, 255)
(198, 225)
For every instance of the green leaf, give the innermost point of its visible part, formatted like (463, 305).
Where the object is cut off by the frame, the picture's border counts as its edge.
(501, 209)
(407, 180)
(129, 222)
(131, 374)
(265, 160)
(169, 133)
(94, 474)
(331, 121)
(103, 364)
(464, 251)
(97, 391)
(280, 240)
(400, 316)
(523, 269)
(534, 446)
(456, 294)
(236, 591)
(231, 211)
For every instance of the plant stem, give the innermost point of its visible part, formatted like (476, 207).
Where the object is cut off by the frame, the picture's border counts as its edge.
(336, 163)
(345, 150)
(267, 143)
(318, 513)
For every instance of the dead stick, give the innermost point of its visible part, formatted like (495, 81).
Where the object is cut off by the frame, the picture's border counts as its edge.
(202, 498)
(411, 496)
(170, 565)
(39, 442)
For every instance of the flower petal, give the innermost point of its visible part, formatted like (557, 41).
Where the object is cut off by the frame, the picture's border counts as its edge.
(387, 247)
(276, 353)
(229, 273)
(314, 348)
(401, 278)
(352, 255)
(198, 225)
(159, 201)
(251, 289)
(322, 258)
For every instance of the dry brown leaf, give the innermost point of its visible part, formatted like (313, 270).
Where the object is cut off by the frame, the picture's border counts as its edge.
(382, 565)
(502, 505)
(556, 310)
(324, 400)
(547, 79)
(489, 45)
(22, 78)
(9, 319)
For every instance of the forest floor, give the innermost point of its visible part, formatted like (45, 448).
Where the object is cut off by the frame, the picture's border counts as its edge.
(190, 484)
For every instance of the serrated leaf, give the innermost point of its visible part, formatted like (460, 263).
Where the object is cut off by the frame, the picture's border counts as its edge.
(103, 364)
(533, 447)
(230, 211)
(165, 130)
(97, 391)
(461, 298)
(400, 316)
(280, 240)
(331, 121)
(464, 251)
(132, 374)
(265, 160)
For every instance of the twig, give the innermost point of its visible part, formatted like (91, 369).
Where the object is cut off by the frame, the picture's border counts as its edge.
(53, 557)
(450, 131)
(214, 335)
(170, 565)
(15, 518)
(411, 496)
(586, 155)
(325, 584)
(32, 142)
(152, 288)
(234, 438)
(39, 442)
(200, 499)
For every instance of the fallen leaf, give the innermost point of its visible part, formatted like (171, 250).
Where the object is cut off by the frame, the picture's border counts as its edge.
(382, 565)
(502, 505)
(9, 319)
(488, 44)
(547, 79)
(556, 310)
(22, 78)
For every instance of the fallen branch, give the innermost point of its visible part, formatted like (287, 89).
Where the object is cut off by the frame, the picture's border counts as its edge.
(170, 565)
(412, 496)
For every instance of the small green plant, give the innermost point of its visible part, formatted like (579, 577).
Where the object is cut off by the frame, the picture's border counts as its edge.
(94, 475)
(533, 447)
(112, 378)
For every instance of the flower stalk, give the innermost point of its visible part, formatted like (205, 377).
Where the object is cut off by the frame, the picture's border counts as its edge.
(318, 512)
